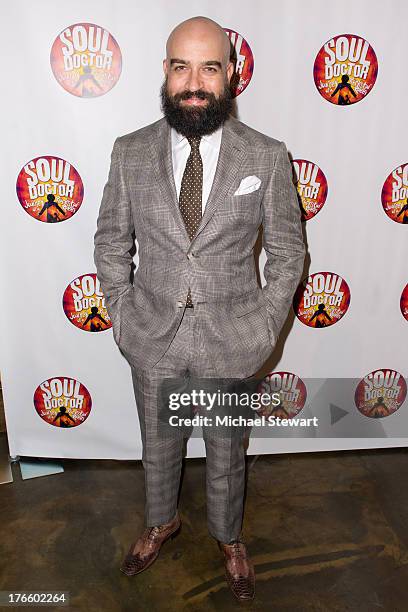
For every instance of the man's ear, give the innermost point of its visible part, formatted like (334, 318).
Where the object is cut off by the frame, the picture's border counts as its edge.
(165, 66)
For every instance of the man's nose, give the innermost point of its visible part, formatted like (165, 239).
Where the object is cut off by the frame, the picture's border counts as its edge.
(194, 81)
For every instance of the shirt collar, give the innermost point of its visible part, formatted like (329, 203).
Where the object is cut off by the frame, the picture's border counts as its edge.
(213, 139)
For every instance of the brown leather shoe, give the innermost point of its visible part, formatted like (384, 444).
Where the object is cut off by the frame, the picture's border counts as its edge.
(146, 549)
(239, 570)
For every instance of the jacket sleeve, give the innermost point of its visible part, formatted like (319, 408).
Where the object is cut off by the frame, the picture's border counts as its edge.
(282, 240)
(113, 238)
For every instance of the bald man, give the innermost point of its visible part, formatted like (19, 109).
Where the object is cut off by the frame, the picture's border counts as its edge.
(194, 187)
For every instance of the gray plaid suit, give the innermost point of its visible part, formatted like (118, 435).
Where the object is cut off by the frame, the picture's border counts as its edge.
(235, 324)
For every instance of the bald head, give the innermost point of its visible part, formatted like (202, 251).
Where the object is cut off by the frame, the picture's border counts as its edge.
(198, 58)
(196, 94)
(200, 29)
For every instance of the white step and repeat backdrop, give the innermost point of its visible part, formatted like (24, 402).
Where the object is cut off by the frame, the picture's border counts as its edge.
(327, 78)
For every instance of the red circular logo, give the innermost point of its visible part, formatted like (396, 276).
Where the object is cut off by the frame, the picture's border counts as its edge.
(62, 401)
(84, 304)
(49, 189)
(321, 299)
(394, 194)
(345, 69)
(292, 392)
(380, 393)
(311, 186)
(243, 62)
(404, 302)
(86, 60)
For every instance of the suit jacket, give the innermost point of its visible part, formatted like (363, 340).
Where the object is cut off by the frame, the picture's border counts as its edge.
(242, 321)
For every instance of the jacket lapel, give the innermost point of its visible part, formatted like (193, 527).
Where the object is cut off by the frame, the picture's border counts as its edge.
(160, 154)
(231, 155)
(230, 158)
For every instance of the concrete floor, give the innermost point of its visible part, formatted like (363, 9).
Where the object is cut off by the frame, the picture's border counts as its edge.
(326, 532)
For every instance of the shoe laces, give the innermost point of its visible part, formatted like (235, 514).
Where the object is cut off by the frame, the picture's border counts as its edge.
(237, 549)
(154, 532)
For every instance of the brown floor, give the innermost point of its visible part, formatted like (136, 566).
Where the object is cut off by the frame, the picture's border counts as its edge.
(326, 532)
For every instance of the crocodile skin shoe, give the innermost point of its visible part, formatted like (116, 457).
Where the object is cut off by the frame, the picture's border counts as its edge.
(239, 570)
(146, 549)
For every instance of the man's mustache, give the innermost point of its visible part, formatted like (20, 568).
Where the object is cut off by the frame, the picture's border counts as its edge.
(200, 94)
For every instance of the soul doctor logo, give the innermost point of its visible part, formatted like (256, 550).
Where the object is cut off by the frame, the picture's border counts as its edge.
(380, 393)
(292, 392)
(322, 299)
(86, 60)
(243, 60)
(62, 401)
(311, 186)
(345, 69)
(404, 302)
(49, 189)
(394, 195)
(84, 304)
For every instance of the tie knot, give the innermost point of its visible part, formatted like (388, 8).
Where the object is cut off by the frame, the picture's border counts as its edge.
(194, 142)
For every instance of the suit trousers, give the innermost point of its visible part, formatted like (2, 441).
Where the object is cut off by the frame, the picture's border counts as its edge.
(186, 356)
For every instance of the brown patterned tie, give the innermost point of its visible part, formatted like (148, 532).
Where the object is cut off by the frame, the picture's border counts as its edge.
(190, 199)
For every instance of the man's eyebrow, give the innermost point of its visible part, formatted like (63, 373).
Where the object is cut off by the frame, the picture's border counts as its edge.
(176, 60)
(213, 63)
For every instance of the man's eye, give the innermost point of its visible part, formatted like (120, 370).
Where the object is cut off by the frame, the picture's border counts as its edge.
(178, 67)
(211, 68)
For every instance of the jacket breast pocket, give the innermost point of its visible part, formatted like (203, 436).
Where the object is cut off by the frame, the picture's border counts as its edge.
(244, 205)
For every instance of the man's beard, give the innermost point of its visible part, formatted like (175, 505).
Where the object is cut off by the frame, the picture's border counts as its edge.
(196, 120)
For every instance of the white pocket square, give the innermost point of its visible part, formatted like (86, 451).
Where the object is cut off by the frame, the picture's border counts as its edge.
(248, 184)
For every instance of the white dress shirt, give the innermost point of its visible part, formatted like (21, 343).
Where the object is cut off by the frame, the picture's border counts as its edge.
(209, 151)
